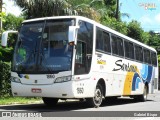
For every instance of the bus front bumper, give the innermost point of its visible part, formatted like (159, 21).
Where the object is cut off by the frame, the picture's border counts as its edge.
(70, 89)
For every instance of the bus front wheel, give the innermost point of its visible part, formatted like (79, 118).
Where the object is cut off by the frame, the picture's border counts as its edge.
(50, 101)
(97, 99)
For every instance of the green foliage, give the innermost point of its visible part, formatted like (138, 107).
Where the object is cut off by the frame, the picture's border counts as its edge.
(159, 60)
(2, 15)
(145, 37)
(5, 87)
(12, 22)
(42, 8)
(92, 9)
(114, 24)
(19, 100)
(111, 6)
(6, 54)
(135, 31)
(154, 41)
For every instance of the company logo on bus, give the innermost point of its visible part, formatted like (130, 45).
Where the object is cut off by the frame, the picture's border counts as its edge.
(125, 67)
(100, 61)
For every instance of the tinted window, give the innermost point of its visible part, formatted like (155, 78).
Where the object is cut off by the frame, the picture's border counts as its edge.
(117, 46)
(107, 46)
(138, 53)
(114, 45)
(154, 58)
(120, 47)
(129, 50)
(99, 40)
(103, 41)
(147, 57)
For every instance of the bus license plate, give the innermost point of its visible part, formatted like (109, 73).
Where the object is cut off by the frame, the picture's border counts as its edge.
(36, 90)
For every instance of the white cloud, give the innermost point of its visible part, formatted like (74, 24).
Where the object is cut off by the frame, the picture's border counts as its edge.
(145, 20)
(10, 7)
(157, 18)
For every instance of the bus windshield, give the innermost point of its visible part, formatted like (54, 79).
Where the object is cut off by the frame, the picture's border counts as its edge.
(42, 47)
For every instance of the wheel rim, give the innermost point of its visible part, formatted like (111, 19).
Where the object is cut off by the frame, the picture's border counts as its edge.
(98, 97)
(145, 93)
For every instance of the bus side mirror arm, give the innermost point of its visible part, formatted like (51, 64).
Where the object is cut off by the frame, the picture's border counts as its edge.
(72, 33)
(5, 37)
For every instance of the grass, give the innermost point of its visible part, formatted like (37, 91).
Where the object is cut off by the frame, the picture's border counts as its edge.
(19, 100)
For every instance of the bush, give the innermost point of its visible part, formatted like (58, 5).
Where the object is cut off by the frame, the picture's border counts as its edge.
(5, 86)
(6, 54)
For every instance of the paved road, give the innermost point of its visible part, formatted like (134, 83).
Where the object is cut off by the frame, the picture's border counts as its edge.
(65, 108)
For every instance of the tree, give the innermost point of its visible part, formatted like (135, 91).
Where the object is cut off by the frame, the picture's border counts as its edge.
(154, 39)
(1, 3)
(114, 24)
(158, 60)
(113, 7)
(92, 9)
(135, 31)
(12, 22)
(43, 8)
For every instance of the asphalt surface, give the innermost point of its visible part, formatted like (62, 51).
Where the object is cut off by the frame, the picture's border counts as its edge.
(122, 107)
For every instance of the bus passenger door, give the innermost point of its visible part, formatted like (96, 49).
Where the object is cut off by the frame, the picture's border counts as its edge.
(80, 59)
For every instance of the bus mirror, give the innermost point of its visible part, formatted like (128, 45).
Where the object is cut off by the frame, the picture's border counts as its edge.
(72, 33)
(5, 37)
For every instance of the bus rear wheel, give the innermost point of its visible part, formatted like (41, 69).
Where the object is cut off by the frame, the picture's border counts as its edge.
(50, 102)
(143, 97)
(96, 101)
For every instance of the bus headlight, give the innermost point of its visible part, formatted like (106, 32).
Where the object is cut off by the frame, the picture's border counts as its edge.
(63, 79)
(15, 79)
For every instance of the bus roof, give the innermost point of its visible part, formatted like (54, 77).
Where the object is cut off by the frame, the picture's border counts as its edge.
(97, 24)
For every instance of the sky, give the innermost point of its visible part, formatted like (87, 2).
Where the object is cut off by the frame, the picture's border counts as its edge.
(147, 12)
(10, 7)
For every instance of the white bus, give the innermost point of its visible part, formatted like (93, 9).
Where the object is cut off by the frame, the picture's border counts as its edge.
(74, 57)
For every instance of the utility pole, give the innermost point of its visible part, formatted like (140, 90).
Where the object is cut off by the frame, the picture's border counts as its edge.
(1, 3)
(117, 10)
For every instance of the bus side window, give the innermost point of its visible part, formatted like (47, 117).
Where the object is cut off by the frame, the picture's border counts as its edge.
(107, 45)
(117, 46)
(99, 40)
(103, 41)
(154, 58)
(138, 53)
(147, 57)
(120, 47)
(114, 45)
(129, 49)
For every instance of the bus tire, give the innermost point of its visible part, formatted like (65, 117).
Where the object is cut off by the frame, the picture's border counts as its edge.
(143, 97)
(50, 102)
(96, 101)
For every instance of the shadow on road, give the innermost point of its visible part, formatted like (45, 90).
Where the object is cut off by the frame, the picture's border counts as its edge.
(65, 106)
